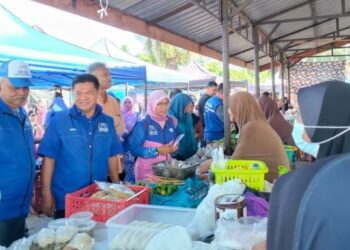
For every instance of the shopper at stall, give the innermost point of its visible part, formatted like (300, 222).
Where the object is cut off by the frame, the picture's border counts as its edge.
(130, 117)
(153, 137)
(181, 107)
(214, 116)
(17, 163)
(110, 106)
(257, 140)
(276, 120)
(56, 106)
(79, 147)
(309, 207)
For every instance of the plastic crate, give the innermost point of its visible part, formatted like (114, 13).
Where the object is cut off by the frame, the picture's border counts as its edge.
(79, 201)
(250, 172)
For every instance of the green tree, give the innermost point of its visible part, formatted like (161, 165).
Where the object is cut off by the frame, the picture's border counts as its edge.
(163, 54)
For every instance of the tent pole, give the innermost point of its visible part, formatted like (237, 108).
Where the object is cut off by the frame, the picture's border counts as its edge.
(288, 77)
(273, 78)
(126, 88)
(256, 62)
(282, 76)
(145, 97)
(226, 75)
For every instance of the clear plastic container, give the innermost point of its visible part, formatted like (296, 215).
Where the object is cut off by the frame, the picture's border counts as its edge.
(82, 216)
(149, 213)
(54, 224)
(84, 226)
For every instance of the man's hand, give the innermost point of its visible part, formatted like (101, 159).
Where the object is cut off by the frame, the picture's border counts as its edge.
(48, 205)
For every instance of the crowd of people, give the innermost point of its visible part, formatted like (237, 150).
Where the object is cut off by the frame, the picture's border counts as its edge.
(87, 142)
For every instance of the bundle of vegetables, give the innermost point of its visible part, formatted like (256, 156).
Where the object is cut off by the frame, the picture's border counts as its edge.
(164, 189)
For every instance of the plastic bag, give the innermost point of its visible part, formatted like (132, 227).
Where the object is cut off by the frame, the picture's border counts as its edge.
(241, 234)
(21, 244)
(218, 156)
(117, 187)
(203, 223)
(173, 238)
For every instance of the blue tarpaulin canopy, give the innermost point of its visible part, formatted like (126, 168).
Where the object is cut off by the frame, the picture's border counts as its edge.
(55, 62)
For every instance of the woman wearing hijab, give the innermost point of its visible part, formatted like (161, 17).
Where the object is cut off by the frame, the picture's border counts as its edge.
(257, 140)
(153, 137)
(181, 107)
(276, 120)
(309, 207)
(130, 118)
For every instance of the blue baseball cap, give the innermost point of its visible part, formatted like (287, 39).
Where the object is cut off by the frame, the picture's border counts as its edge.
(17, 72)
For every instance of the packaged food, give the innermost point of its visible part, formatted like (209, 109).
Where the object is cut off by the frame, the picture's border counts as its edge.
(44, 240)
(81, 241)
(82, 216)
(83, 226)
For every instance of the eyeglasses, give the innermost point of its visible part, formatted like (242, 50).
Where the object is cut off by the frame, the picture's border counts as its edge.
(88, 94)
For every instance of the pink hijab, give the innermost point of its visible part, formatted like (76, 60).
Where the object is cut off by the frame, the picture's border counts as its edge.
(129, 116)
(153, 99)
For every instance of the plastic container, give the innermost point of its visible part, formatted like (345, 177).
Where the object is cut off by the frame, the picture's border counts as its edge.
(102, 209)
(170, 169)
(82, 216)
(290, 150)
(54, 224)
(230, 207)
(84, 226)
(150, 213)
(252, 173)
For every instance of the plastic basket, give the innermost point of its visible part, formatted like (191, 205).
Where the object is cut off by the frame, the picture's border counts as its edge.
(79, 201)
(250, 172)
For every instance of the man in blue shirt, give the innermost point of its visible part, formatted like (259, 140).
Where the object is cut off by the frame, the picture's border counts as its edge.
(79, 146)
(214, 116)
(17, 164)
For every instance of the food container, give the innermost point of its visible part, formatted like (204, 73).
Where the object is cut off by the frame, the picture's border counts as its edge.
(230, 207)
(82, 216)
(175, 169)
(149, 213)
(83, 225)
(54, 224)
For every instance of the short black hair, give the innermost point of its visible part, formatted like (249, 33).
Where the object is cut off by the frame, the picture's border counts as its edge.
(212, 84)
(221, 87)
(266, 93)
(174, 92)
(86, 78)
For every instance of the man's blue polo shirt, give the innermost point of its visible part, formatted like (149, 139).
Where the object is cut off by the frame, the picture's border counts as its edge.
(81, 148)
(17, 163)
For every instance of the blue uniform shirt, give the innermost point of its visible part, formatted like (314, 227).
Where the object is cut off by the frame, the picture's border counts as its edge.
(214, 126)
(17, 162)
(81, 148)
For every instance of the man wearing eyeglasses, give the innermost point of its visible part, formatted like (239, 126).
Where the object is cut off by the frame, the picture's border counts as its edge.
(80, 146)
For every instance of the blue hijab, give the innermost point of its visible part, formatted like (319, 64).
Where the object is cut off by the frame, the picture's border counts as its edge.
(188, 145)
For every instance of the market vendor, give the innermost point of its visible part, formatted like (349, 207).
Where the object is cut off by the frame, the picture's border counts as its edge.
(17, 163)
(80, 146)
(181, 107)
(153, 137)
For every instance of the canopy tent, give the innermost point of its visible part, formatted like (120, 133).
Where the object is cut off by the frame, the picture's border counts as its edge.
(55, 62)
(199, 76)
(156, 76)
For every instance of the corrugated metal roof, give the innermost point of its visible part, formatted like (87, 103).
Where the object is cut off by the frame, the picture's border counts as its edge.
(193, 22)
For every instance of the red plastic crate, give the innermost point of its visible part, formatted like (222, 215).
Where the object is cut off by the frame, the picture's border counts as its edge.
(79, 201)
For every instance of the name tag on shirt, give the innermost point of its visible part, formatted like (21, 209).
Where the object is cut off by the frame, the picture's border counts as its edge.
(152, 130)
(102, 127)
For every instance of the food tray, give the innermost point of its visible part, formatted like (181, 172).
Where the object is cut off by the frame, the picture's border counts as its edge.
(171, 169)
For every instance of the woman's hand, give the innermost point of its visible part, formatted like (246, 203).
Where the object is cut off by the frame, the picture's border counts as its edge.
(167, 149)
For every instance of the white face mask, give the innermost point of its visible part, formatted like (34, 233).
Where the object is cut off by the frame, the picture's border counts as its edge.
(312, 148)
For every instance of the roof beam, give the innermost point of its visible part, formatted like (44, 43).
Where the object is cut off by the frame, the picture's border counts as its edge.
(121, 20)
(171, 13)
(300, 30)
(324, 46)
(238, 10)
(241, 52)
(301, 19)
(281, 12)
(308, 39)
(343, 6)
(313, 14)
(273, 31)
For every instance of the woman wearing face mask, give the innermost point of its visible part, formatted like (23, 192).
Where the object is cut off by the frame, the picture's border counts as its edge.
(296, 219)
(257, 141)
(181, 107)
(153, 137)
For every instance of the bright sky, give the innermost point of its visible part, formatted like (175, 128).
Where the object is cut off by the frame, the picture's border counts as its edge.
(69, 27)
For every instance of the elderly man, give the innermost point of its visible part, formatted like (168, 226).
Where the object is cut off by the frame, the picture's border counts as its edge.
(17, 164)
(79, 146)
(110, 106)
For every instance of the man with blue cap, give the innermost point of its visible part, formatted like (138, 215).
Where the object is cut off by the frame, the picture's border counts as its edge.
(17, 164)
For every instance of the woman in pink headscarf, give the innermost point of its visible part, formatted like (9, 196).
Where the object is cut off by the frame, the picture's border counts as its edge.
(130, 118)
(153, 137)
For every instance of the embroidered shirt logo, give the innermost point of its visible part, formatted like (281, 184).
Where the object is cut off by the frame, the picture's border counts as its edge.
(152, 130)
(72, 129)
(102, 127)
